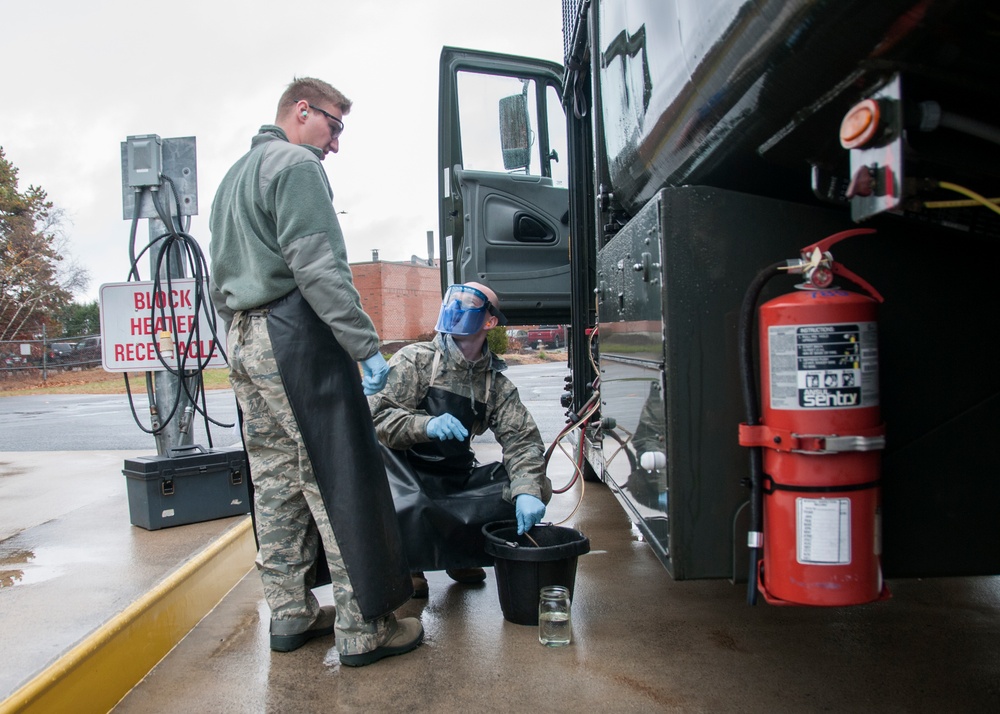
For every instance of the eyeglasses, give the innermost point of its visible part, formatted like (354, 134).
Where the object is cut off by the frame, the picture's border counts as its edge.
(335, 131)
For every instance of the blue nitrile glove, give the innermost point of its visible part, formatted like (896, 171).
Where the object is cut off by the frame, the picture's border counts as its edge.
(376, 371)
(446, 427)
(530, 511)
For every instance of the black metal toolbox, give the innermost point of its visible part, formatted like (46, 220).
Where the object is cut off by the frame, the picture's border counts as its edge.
(190, 485)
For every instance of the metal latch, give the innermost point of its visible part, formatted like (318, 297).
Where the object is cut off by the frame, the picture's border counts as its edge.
(646, 266)
(831, 443)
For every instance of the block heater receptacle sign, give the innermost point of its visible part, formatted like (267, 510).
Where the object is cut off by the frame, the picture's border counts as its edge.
(134, 319)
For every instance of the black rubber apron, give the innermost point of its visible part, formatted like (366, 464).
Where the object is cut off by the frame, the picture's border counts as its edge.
(323, 385)
(443, 498)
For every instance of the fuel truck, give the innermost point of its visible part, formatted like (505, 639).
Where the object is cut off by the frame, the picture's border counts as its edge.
(765, 223)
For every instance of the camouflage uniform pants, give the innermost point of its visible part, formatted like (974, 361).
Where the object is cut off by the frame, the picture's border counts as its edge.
(289, 510)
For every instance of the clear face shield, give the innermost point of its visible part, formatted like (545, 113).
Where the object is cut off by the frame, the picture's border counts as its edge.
(464, 311)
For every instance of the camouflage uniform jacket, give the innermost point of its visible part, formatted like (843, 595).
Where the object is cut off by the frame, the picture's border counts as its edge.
(400, 423)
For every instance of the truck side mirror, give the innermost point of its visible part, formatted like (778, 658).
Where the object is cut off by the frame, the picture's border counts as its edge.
(514, 132)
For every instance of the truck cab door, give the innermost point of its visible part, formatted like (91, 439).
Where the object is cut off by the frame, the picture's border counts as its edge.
(502, 181)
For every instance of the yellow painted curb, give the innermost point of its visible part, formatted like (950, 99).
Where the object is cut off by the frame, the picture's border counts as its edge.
(98, 672)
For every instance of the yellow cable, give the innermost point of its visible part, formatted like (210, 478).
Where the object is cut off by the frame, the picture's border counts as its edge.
(971, 194)
(956, 203)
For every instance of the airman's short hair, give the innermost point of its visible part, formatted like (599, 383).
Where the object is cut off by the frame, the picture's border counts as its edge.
(313, 91)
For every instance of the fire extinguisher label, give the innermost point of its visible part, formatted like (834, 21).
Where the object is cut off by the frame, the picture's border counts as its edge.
(823, 531)
(824, 366)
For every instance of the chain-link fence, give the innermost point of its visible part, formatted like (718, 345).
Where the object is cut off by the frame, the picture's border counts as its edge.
(22, 358)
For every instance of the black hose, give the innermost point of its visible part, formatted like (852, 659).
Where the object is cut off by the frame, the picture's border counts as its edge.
(133, 273)
(752, 412)
(189, 377)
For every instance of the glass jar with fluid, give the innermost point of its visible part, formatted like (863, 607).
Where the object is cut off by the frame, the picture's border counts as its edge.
(554, 622)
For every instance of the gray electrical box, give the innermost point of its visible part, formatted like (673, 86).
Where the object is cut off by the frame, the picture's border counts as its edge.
(144, 160)
(148, 161)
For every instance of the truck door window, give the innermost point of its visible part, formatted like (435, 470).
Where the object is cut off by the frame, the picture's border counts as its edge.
(480, 97)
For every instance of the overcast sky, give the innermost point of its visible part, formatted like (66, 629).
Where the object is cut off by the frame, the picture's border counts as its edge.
(80, 77)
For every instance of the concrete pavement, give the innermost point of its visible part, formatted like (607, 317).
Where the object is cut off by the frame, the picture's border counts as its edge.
(79, 585)
(642, 642)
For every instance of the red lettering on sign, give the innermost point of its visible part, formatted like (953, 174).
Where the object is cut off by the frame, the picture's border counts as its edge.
(135, 352)
(177, 299)
(163, 323)
(197, 350)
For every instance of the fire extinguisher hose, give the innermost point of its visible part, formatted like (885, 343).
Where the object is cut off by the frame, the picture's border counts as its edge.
(752, 414)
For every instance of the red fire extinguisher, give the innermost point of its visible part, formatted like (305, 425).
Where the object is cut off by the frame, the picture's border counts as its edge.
(817, 438)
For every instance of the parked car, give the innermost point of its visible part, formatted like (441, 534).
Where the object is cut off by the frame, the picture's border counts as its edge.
(88, 351)
(547, 336)
(59, 352)
(517, 340)
(12, 360)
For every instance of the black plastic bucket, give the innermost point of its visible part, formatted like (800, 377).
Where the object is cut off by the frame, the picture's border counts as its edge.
(522, 568)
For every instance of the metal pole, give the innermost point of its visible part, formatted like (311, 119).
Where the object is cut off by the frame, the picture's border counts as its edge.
(146, 162)
(45, 355)
(166, 386)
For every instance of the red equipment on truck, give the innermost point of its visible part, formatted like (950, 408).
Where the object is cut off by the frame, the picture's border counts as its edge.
(816, 487)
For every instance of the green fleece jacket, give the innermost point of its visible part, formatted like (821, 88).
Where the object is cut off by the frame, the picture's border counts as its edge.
(274, 229)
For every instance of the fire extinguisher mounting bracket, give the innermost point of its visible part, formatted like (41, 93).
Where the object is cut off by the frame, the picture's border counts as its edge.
(786, 440)
(770, 486)
(832, 443)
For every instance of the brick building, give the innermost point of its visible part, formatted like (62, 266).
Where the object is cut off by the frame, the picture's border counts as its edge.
(402, 299)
